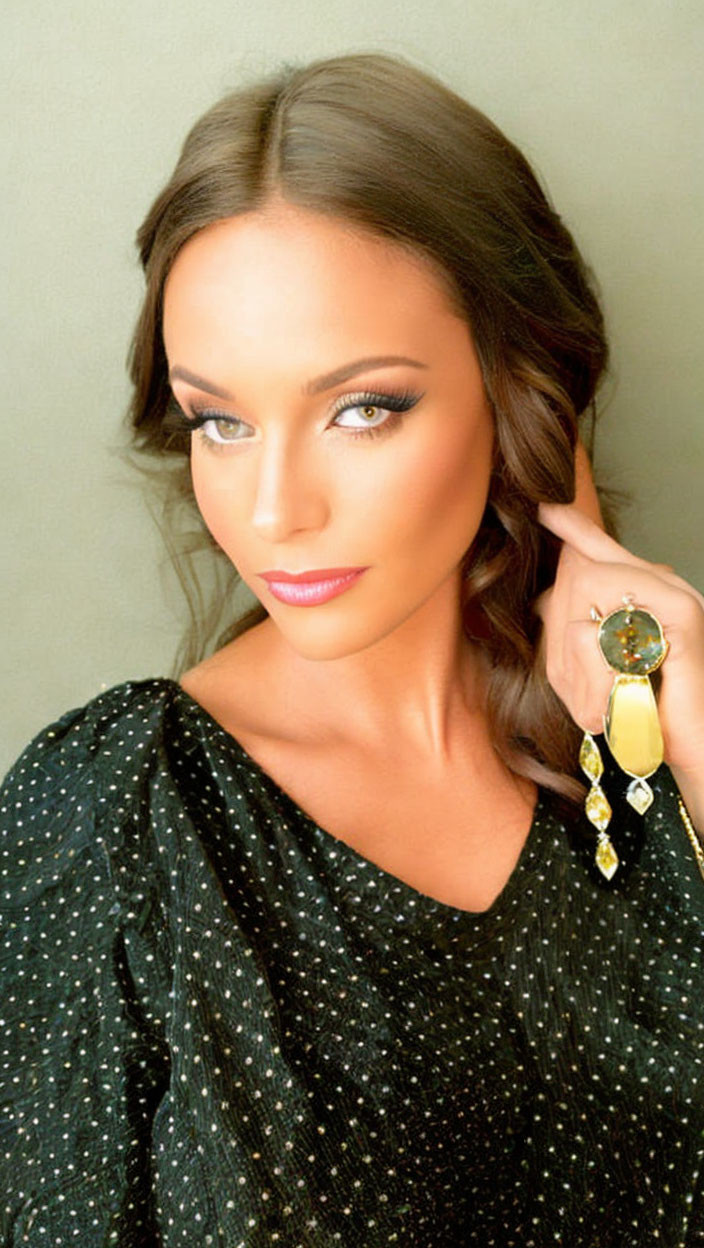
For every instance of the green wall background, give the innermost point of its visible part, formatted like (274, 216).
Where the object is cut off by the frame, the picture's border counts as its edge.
(606, 99)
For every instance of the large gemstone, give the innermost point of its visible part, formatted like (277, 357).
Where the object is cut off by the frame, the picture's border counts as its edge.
(590, 758)
(632, 642)
(606, 857)
(597, 808)
(640, 795)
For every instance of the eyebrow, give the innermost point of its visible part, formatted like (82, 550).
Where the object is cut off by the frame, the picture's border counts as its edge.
(184, 374)
(318, 384)
(370, 362)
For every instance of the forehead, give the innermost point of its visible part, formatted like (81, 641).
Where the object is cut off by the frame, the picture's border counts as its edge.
(283, 255)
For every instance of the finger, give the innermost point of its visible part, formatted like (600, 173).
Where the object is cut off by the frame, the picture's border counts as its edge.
(577, 672)
(582, 535)
(608, 586)
(581, 583)
(586, 497)
(570, 524)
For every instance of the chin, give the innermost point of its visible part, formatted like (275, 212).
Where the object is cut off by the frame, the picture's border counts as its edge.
(321, 648)
(321, 640)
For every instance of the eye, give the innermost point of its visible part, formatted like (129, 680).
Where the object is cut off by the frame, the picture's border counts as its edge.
(221, 429)
(372, 413)
(362, 416)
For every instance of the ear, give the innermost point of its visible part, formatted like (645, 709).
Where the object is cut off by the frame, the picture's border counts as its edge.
(586, 496)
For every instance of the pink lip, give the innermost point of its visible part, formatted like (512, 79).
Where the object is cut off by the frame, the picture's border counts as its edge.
(317, 574)
(307, 589)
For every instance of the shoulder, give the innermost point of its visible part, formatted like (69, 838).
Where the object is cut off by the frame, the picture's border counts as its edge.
(234, 684)
(87, 768)
(127, 714)
(85, 961)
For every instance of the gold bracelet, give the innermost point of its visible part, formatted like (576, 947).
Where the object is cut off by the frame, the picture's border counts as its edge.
(694, 839)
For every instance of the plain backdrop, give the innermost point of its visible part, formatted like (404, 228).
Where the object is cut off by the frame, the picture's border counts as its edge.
(606, 99)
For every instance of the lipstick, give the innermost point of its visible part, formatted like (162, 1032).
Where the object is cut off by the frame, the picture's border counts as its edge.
(308, 589)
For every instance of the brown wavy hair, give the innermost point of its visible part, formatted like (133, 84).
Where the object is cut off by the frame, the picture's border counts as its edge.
(376, 142)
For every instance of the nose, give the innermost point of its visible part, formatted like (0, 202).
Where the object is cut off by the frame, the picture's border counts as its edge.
(290, 496)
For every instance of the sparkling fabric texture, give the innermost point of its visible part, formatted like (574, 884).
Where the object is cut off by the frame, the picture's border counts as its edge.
(221, 1026)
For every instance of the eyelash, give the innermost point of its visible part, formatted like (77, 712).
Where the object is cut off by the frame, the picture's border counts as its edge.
(395, 402)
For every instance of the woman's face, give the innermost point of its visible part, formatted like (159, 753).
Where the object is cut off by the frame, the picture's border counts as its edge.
(346, 425)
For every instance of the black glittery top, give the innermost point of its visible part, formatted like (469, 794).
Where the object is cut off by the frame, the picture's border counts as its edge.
(222, 1026)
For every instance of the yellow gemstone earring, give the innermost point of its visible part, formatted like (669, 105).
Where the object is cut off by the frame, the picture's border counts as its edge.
(597, 806)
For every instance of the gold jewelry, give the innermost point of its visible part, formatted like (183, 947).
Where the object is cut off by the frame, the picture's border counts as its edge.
(633, 645)
(693, 838)
(597, 807)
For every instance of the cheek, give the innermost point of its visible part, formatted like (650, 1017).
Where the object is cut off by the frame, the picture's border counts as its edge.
(217, 503)
(437, 496)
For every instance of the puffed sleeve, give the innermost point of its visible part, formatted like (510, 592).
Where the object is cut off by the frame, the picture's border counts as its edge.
(83, 1063)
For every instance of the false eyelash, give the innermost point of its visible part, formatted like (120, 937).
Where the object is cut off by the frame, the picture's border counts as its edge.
(391, 400)
(396, 402)
(176, 421)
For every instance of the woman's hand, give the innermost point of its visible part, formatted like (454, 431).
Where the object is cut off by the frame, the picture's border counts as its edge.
(594, 570)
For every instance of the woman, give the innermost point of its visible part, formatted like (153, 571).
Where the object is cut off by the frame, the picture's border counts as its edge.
(311, 947)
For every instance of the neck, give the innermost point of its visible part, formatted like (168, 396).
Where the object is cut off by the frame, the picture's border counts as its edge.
(415, 687)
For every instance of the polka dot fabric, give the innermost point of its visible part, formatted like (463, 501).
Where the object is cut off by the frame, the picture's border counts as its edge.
(222, 1026)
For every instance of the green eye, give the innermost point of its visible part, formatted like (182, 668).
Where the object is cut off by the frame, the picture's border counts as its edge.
(220, 430)
(227, 430)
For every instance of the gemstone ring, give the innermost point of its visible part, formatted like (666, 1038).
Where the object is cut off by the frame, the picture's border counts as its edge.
(631, 640)
(632, 643)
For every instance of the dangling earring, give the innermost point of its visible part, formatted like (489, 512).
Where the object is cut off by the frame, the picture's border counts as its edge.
(597, 806)
(633, 645)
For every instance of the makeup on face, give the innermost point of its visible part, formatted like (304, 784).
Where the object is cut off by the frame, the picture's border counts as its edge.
(341, 441)
(362, 414)
(308, 589)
